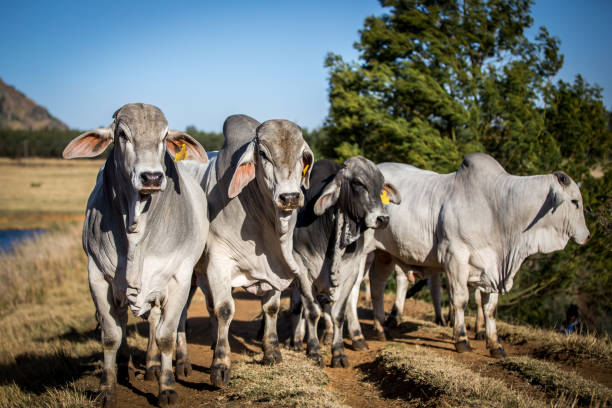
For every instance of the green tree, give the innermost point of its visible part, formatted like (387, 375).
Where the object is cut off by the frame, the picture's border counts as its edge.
(439, 79)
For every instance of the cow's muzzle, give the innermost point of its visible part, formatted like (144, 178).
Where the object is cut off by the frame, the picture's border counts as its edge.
(289, 201)
(151, 181)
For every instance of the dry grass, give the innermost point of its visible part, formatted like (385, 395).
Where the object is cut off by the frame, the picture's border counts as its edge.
(438, 381)
(554, 345)
(50, 189)
(32, 269)
(296, 382)
(558, 382)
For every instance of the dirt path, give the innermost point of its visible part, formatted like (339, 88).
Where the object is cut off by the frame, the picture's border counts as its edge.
(358, 384)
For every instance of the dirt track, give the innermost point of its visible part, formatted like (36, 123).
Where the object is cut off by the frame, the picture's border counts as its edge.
(359, 385)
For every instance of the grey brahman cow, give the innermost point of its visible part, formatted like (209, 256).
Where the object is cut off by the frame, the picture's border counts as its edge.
(477, 225)
(343, 204)
(254, 189)
(145, 229)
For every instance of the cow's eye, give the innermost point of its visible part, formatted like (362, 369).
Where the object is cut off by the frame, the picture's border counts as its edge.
(122, 134)
(576, 203)
(263, 155)
(357, 184)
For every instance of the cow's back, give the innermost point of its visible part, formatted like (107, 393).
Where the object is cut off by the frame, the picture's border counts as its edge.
(411, 233)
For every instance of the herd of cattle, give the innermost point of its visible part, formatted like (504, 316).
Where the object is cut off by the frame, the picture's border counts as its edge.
(263, 215)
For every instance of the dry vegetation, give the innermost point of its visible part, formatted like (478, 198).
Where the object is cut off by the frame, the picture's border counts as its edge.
(559, 383)
(296, 382)
(430, 379)
(40, 193)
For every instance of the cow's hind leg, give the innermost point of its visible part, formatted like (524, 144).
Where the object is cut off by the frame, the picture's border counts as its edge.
(480, 326)
(328, 325)
(270, 303)
(298, 322)
(183, 365)
(489, 303)
(401, 282)
(435, 288)
(457, 276)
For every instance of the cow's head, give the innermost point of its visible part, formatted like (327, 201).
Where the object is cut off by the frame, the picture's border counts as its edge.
(280, 160)
(141, 137)
(360, 191)
(568, 212)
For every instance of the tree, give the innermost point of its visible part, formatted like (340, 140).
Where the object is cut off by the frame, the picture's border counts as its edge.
(440, 79)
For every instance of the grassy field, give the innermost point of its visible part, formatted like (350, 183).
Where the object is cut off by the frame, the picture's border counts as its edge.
(43, 193)
(50, 353)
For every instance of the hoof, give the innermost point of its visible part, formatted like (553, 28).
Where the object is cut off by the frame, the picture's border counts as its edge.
(498, 353)
(316, 357)
(272, 357)
(297, 347)
(463, 346)
(219, 375)
(360, 345)
(480, 335)
(167, 398)
(183, 369)
(380, 336)
(440, 321)
(339, 361)
(327, 338)
(152, 373)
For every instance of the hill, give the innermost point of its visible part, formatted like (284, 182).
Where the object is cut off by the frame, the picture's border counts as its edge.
(18, 112)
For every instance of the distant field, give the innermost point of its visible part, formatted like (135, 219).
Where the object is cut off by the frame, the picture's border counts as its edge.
(41, 193)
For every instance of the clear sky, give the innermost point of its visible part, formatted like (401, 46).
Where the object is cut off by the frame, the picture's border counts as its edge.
(200, 61)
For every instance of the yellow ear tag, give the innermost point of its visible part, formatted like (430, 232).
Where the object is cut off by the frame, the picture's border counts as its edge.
(384, 197)
(182, 155)
(305, 170)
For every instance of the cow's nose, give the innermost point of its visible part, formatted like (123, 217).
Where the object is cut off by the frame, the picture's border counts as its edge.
(151, 179)
(382, 221)
(289, 198)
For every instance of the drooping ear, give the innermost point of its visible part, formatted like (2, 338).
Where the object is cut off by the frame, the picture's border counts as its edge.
(307, 162)
(391, 193)
(557, 195)
(88, 144)
(329, 196)
(175, 141)
(244, 173)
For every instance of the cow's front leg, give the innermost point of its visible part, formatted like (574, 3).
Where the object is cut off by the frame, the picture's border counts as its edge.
(339, 358)
(270, 304)
(457, 276)
(479, 325)
(153, 357)
(312, 313)
(489, 303)
(183, 365)
(380, 271)
(401, 282)
(166, 335)
(298, 323)
(109, 317)
(219, 283)
(358, 340)
(435, 288)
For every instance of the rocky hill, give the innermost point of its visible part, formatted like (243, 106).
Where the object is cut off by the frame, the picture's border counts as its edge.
(17, 111)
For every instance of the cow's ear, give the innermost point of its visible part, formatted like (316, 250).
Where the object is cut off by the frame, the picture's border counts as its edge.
(181, 142)
(244, 173)
(88, 144)
(391, 192)
(307, 162)
(557, 195)
(329, 196)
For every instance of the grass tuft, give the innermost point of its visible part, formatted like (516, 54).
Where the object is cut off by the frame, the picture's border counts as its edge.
(296, 382)
(437, 380)
(559, 383)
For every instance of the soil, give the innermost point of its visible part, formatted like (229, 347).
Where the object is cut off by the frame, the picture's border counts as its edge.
(360, 385)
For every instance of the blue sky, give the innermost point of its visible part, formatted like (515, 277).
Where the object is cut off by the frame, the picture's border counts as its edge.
(201, 61)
